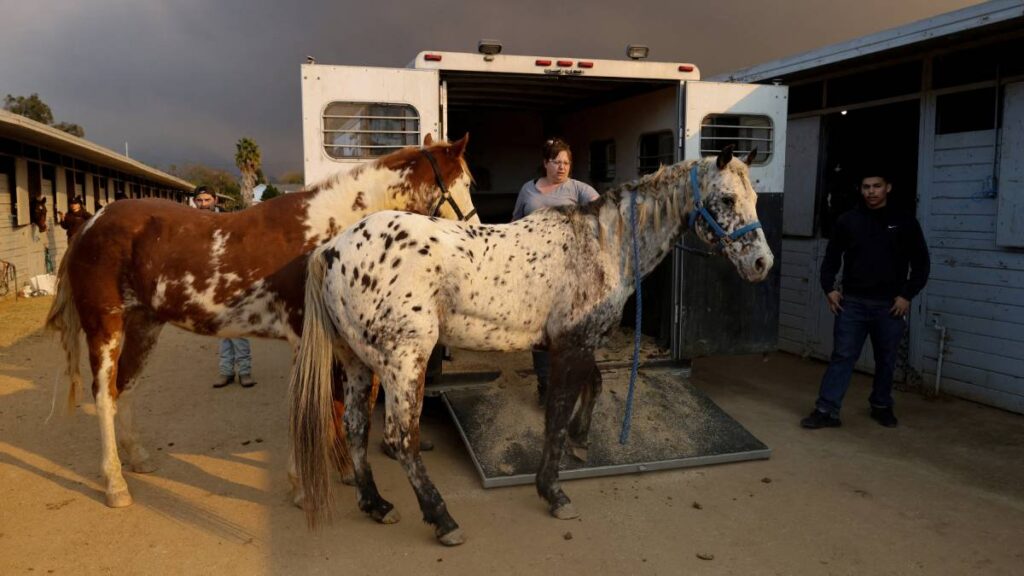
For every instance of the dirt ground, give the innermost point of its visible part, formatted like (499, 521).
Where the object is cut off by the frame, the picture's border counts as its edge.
(941, 494)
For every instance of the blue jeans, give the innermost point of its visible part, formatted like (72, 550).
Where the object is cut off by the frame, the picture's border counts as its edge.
(859, 319)
(235, 357)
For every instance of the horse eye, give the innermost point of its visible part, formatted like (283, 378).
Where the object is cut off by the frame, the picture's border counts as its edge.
(728, 201)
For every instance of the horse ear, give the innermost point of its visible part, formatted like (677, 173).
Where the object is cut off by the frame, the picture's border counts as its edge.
(725, 156)
(428, 139)
(459, 146)
(750, 156)
(42, 200)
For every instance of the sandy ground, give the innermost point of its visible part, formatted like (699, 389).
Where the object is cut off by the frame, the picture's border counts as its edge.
(942, 494)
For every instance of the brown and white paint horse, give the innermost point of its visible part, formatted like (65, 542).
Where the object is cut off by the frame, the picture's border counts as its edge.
(140, 264)
(382, 294)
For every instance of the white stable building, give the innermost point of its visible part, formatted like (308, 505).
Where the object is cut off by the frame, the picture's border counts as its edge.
(37, 161)
(940, 103)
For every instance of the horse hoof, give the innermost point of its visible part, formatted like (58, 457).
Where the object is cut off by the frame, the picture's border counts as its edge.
(453, 538)
(565, 512)
(391, 517)
(143, 467)
(299, 501)
(579, 453)
(120, 499)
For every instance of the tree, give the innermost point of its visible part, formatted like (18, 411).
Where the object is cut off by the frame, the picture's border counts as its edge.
(247, 158)
(70, 128)
(269, 192)
(33, 108)
(293, 177)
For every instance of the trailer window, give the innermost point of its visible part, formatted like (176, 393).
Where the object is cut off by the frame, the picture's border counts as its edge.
(353, 130)
(744, 131)
(655, 151)
(602, 161)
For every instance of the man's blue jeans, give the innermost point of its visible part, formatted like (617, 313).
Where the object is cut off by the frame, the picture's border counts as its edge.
(235, 356)
(859, 319)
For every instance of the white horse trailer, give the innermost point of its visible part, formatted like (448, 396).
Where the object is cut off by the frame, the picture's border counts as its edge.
(622, 118)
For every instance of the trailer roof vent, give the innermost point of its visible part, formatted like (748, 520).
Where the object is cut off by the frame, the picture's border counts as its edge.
(637, 51)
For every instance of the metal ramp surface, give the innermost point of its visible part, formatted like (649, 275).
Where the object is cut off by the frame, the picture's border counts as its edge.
(674, 426)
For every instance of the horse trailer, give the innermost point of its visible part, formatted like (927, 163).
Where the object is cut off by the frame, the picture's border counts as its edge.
(623, 119)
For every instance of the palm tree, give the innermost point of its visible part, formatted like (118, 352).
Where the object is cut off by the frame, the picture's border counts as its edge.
(247, 158)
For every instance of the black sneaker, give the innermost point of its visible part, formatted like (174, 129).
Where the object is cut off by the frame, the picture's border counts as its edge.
(819, 419)
(885, 417)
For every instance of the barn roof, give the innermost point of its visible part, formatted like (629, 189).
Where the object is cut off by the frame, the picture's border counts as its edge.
(28, 131)
(938, 29)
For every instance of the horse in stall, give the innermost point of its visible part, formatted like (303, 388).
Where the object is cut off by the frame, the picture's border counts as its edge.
(140, 264)
(382, 294)
(37, 212)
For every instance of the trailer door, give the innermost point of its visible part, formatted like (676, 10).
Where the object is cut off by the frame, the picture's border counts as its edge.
(354, 114)
(716, 311)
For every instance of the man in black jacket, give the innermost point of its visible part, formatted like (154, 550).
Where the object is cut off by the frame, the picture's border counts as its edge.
(876, 245)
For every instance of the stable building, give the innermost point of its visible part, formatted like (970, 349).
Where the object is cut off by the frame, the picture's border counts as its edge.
(38, 161)
(940, 103)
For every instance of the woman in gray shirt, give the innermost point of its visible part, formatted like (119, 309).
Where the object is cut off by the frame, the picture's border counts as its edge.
(555, 188)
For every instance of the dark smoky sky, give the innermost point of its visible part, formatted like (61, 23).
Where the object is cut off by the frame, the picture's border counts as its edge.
(182, 80)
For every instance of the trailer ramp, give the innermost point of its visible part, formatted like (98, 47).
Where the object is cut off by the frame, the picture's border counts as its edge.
(674, 426)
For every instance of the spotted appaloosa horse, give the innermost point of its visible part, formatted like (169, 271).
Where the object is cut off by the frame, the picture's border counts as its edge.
(140, 264)
(382, 294)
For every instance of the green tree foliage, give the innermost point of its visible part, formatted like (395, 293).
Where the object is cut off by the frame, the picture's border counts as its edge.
(33, 108)
(71, 128)
(270, 192)
(293, 177)
(247, 158)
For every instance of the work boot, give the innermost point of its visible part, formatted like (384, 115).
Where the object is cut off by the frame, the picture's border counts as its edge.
(819, 419)
(224, 381)
(884, 416)
(246, 380)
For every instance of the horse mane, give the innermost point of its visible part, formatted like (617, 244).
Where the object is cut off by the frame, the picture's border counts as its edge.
(658, 198)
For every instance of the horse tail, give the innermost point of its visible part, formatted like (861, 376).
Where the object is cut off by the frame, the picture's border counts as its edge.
(312, 407)
(63, 317)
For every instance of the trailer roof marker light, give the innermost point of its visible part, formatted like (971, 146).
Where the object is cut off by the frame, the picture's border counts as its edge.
(637, 51)
(844, 112)
(432, 57)
(686, 67)
(565, 63)
(585, 64)
(542, 62)
(488, 47)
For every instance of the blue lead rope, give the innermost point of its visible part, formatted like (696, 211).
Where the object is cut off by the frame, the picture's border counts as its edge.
(627, 420)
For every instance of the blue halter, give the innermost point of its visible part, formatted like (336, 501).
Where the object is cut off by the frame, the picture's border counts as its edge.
(700, 211)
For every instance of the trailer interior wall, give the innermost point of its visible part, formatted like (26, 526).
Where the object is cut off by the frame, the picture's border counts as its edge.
(504, 152)
(505, 142)
(624, 122)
